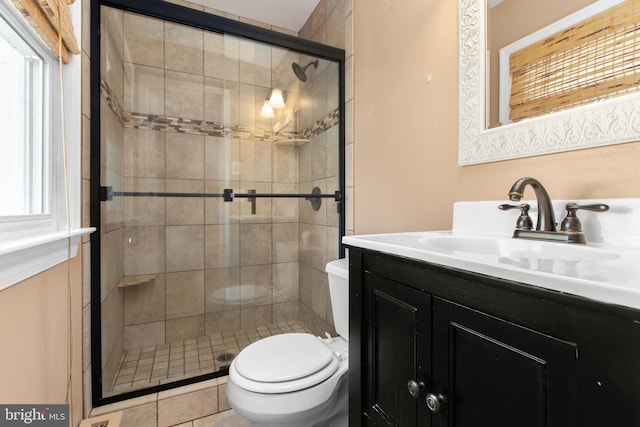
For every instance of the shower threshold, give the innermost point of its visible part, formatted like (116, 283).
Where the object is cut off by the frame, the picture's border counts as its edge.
(160, 364)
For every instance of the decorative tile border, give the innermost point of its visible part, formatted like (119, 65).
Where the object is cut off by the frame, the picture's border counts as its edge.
(203, 127)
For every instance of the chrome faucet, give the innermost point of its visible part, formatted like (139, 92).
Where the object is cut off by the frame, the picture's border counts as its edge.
(570, 230)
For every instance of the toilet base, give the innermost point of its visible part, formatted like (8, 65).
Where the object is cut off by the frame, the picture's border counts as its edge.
(332, 413)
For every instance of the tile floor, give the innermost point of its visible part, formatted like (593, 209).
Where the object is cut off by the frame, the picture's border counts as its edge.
(150, 366)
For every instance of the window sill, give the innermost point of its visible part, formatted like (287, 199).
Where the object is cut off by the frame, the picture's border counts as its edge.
(23, 258)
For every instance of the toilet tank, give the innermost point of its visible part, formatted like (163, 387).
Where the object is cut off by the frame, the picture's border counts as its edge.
(338, 272)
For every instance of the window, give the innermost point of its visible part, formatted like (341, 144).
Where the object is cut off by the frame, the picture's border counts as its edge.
(35, 227)
(21, 119)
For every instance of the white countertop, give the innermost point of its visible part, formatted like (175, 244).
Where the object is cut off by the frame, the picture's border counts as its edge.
(606, 269)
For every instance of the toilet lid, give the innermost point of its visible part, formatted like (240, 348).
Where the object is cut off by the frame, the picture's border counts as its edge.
(285, 357)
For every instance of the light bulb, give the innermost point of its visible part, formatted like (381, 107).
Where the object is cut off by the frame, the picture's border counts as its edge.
(276, 100)
(267, 110)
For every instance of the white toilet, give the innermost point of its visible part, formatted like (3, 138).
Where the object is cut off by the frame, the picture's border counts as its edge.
(297, 379)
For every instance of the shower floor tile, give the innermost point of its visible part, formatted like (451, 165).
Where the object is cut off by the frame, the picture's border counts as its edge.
(155, 365)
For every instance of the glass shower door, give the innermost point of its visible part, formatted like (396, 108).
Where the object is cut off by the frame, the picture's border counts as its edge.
(219, 208)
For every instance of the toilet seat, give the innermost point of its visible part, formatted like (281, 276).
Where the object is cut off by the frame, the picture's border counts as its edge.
(283, 363)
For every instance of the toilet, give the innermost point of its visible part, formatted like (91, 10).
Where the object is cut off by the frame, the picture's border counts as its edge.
(297, 379)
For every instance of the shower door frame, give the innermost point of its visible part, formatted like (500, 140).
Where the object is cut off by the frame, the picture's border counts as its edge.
(205, 21)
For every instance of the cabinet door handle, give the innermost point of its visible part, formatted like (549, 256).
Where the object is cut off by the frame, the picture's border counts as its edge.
(414, 388)
(435, 402)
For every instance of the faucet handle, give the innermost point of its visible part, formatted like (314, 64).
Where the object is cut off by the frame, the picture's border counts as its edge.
(572, 223)
(524, 221)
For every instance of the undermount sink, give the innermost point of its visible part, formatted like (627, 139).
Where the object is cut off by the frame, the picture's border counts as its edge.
(512, 248)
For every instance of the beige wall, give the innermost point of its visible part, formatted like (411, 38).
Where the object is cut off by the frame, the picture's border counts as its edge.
(406, 128)
(35, 321)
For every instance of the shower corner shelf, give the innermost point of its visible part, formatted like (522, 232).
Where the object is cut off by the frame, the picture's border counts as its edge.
(291, 142)
(129, 281)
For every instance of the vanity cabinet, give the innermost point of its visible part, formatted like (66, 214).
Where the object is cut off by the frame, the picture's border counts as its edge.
(484, 351)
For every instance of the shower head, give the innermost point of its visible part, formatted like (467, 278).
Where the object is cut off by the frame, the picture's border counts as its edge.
(300, 71)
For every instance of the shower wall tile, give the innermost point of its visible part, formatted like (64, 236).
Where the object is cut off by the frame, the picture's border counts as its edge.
(185, 294)
(231, 62)
(112, 361)
(185, 248)
(285, 164)
(262, 159)
(313, 245)
(247, 160)
(222, 245)
(144, 335)
(318, 86)
(144, 89)
(285, 242)
(184, 156)
(184, 49)
(222, 321)
(255, 244)
(111, 326)
(145, 303)
(284, 209)
(221, 158)
(214, 55)
(220, 100)
(188, 4)
(305, 288)
(281, 74)
(319, 156)
(222, 289)
(144, 249)
(112, 266)
(255, 63)
(333, 152)
(285, 282)
(333, 86)
(319, 292)
(144, 153)
(333, 240)
(336, 25)
(184, 328)
(144, 211)
(286, 311)
(305, 160)
(329, 313)
(316, 20)
(248, 102)
(111, 68)
(348, 154)
(185, 210)
(144, 39)
(255, 285)
(184, 95)
(256, 316)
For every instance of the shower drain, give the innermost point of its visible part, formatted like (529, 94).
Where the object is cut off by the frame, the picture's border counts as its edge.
(225, 357)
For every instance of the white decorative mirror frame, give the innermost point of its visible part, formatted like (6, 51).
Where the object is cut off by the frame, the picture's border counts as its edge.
(612, 121)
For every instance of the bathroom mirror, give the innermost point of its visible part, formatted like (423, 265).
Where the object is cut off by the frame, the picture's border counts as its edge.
(610, 121)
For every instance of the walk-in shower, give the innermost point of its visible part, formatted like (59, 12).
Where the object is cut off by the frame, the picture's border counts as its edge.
(215, 223)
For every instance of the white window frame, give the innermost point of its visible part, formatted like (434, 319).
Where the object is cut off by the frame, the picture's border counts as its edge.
(31, 244)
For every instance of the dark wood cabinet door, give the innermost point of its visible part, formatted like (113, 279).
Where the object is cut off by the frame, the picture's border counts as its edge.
(495, 373)
(396, 328)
